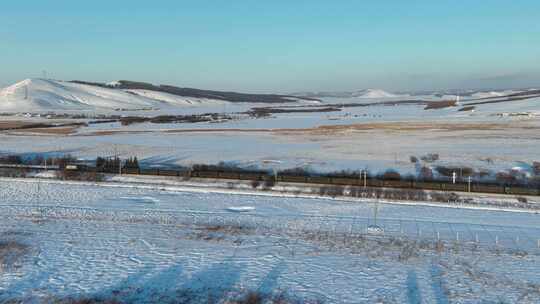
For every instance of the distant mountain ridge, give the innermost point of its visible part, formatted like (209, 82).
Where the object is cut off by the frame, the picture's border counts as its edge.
(198, 93)
(365, 93)
(44, 95)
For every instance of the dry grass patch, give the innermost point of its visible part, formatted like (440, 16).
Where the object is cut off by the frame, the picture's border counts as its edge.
(434, 105)
(10, 253)
(13, 124)
(55, 131)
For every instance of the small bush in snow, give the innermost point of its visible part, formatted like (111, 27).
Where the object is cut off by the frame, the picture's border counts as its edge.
(255, 184)
(269, 182)
(522, 199)
(431, 157)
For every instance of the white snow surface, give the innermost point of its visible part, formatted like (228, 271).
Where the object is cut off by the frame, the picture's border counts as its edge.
(96, 241)
(43, 95)
(375, 93)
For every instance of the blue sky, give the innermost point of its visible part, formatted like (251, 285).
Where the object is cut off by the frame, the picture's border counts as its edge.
(276, 45)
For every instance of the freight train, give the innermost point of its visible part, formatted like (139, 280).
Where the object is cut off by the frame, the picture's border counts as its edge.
(307, 179)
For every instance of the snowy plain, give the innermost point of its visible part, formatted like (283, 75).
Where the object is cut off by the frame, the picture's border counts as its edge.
(141, 244)
(499, 136)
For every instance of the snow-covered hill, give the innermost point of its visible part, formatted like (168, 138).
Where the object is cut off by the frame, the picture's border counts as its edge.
(366, 93)
(374, 93)
(37, 95)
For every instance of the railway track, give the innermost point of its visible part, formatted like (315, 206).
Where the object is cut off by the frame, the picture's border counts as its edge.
(265, 177)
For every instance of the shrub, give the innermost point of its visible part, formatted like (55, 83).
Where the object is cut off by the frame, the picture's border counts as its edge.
(255, 184)
(414, 159)
(269, 182)
(522, 199)
(505, 177)
(431, 157)
(444, 197)
(536, 168)
(426, 173)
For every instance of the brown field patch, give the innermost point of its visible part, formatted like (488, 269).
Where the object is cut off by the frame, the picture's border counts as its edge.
(13, 124)
(344, 129)
(434, 105)
(53, 130)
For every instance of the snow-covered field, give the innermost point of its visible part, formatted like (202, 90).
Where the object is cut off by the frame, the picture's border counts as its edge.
(499, 148)
(43, 95)
(493, 137)
(141, 244)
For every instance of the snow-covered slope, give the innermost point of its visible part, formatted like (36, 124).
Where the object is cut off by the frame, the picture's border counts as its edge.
(366, 93)
(37, 95)
(374, 93)
(174, 99)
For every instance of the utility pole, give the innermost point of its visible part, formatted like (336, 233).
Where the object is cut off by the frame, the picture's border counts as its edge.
(364, 173)
(376, 212)
(469, 179)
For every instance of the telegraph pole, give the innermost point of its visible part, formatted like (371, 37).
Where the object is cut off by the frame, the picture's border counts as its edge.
(364, 173)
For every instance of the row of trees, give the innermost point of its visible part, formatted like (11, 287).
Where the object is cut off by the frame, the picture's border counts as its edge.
(112, 164)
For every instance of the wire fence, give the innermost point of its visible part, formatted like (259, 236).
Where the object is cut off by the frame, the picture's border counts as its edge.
(492, 237)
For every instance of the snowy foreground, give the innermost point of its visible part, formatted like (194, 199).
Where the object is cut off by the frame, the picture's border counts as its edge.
(63, 241)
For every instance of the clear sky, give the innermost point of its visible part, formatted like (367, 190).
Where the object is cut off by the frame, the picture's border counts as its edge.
(275, 45)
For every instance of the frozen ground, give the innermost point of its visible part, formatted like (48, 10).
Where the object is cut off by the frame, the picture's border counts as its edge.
(494, 137)
(509, 145)
(80, 240)
(375, 137)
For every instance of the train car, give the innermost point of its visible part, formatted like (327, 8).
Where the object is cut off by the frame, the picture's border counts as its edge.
(522, 191)
(130, 171)
(374, 183)
(344, 181)
(455, 187)
(292, 178)
(205, 174)
(397, 184)
(486, 188)
(165, 172)
(149, 171)
(318, 180)
(427, 185)
(228, 175)
(252, 176)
